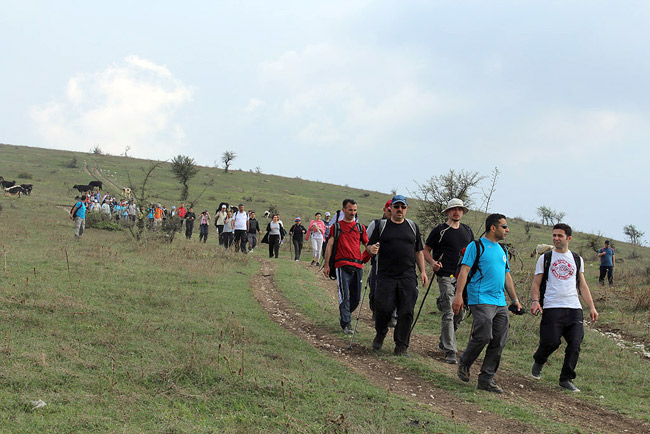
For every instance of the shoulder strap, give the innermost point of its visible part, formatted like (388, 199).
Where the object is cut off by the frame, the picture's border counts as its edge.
(576, 257)
(479, 252)
(382, 226)
(547, 267)
(412, 225)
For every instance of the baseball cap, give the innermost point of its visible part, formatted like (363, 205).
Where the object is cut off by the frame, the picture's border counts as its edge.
(398, 199)
(297, 219)
(388, 202)
(327, 214)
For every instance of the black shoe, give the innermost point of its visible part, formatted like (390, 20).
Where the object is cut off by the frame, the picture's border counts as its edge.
(317, 264)
(377, 342)
(536, 370)
(463, 372)
(312, 262)
(450, 358)
(568, 385)
(348, 330)
(401, 350)
(490, 387)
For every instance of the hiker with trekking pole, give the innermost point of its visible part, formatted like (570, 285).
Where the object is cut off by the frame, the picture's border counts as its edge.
(397, 246)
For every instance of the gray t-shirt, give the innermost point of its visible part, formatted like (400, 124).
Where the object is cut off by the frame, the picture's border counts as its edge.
(275, 228)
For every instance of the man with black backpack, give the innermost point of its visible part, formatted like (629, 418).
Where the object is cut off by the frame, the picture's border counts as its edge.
(78, 215)
(559, 278)
(343, 259)
(486, 272)
(398, 245)
(442, 251)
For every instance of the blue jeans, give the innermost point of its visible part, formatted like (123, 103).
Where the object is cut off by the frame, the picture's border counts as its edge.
(348, 280)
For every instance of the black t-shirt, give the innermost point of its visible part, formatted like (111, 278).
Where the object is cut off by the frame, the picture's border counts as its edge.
(452, 242)
(297, 231)
(397, 247)
(253, 226)
(190, 216)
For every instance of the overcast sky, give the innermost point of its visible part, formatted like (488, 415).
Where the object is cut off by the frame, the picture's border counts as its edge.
(373, 94)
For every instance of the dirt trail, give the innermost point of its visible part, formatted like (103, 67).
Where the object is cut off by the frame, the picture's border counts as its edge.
(98, 175)
(385, 374)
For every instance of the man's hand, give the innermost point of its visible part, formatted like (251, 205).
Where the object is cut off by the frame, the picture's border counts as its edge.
(535, 308)
(326, 270)
(373, 249)
(437, 265)
(424, 278)
(457, 304)
(593, 313)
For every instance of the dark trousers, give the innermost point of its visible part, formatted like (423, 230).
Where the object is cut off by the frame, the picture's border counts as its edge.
(203, 232)
(226, 238)
(561, 323)
(348, 281)
(220, 234)
(297, 248)
(606, 270)
(391, 293)
(489, 327)
(274, 245)
(240, 240)
(189, 227)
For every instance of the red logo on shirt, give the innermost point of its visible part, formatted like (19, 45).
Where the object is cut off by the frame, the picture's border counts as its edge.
(562, 269)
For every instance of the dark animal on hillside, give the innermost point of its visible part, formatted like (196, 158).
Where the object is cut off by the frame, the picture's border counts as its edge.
(28, 188)
(15, 190)
(7, 184)
(82, 188)
(97, 184)
(234, 209)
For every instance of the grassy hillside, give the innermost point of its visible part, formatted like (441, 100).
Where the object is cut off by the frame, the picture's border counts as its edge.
(116, 336)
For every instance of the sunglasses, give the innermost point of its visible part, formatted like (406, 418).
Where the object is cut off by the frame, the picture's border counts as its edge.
(504, 226)
(399, 206)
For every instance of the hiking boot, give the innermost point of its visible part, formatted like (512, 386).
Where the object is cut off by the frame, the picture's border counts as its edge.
(441, 348)
(348, 330)
(490, 387)
(463, 373)
(393, 322)
(312, 262)
(536, 370)
(318, 264)
(401, 350)
(378, 341)
(450, 358)
(568, 385)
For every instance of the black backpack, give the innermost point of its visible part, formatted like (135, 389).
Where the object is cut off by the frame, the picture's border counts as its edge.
(547, 267)
(75, 210)
(336, 227)
(475, 267)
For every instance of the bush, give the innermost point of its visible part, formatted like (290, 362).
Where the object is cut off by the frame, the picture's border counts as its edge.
(101, 221)
(25, 175)
(72, 163)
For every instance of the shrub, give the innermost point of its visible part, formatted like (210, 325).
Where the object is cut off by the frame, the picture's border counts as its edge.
(25, 175)
(101, 221)
(72, 163)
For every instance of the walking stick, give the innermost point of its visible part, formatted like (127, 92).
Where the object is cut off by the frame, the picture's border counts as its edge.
(358, 314)
(423, 300)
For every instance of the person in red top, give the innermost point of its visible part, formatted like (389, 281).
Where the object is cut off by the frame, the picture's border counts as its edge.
(181, 211)
(347, 262)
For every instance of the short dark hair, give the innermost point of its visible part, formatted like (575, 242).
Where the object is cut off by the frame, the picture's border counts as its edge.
(250, 211)
(349, 201)
(492, 220)
(317, 214)
(564, 227)
(607, 242)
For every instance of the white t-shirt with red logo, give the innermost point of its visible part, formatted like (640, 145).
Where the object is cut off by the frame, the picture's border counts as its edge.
(561, 288)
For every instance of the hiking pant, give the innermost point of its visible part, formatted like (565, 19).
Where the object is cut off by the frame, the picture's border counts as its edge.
(220, 234)
(189, 228)
(252, 241)
(557, 323)
(348, 281)
(240, 240)
(227, 239)
(316, 248)
(606, 270)
(490, 327)
(395, 293)
(203, 233)
(274, 245)
(449, 321)
(297, 248)
(79, 226)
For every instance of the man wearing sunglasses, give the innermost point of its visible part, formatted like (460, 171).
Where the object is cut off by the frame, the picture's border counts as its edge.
(397, 245)
(487, 301)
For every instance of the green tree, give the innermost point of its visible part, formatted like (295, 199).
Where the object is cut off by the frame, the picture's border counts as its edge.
(226, 159)
(184, 168)
(633, 234)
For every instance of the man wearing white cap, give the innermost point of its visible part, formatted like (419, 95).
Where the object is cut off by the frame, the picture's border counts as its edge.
(445, 243)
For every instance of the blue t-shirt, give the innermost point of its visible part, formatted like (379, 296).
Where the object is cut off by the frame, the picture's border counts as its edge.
(81, 210)
(493, 265)
(606, 259)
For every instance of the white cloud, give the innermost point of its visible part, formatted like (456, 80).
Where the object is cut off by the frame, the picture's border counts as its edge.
(253, 105)
(129, 104)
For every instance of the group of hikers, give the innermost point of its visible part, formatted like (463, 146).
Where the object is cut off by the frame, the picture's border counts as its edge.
(473, 276)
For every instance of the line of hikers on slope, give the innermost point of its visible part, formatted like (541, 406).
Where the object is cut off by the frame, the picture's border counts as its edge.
(481, 270)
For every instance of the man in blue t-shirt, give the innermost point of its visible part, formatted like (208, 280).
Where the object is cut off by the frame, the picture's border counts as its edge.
(78, 214)
(487, 301)
(607, 264)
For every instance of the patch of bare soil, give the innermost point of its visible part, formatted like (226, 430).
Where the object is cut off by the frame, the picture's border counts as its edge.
(383, 373)
(96, 174)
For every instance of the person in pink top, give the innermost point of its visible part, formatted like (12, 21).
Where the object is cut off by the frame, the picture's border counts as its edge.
(316, 231)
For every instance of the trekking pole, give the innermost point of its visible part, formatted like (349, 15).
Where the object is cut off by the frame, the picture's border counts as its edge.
(421, 305)
(358, 314)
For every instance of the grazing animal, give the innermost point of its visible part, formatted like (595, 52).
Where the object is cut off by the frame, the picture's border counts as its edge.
(15, 190)
(97, 184)
(126, 192)
(541, 249)
(82, 188)
(267, 214)
(7, 184)
(28, 188)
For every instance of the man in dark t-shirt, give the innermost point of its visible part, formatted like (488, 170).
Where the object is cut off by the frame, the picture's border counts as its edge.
(253, 231)
(397, 245)
(442, 251)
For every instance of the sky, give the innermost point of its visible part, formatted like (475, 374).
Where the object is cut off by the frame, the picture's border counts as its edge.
(380, 95)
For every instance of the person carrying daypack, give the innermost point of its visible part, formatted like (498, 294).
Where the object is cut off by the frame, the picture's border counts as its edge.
(78, 215)
(343, 261)
(559, 279)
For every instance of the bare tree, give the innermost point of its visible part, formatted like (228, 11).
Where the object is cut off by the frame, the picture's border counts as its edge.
(633, 234)
(184, 168)
(227, 158)
(97, 150)
(487, 195)
(549, 216)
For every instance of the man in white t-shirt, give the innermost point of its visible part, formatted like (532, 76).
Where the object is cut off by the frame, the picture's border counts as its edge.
(559, 278)
(240, 224)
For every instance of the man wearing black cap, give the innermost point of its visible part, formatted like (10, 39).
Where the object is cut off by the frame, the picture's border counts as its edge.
(607, 263)
(397, 245)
